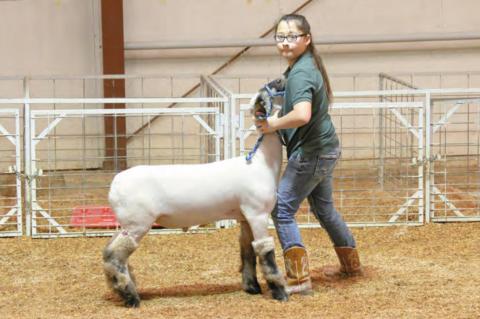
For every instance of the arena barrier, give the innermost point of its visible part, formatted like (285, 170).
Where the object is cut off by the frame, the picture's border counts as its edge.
(409, 156)
(394, 171)
(375, 182)
(58, 190)
(69, 160)
(11, 223)
(453, 168)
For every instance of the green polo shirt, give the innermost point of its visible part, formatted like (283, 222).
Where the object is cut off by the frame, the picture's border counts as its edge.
(305, 83)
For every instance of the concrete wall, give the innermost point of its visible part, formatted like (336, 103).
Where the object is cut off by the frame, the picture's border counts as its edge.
(157, 21)
(61, 37)
(47, 37)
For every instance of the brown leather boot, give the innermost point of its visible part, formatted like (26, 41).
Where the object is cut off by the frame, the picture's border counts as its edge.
(349, 263)
(298, 274)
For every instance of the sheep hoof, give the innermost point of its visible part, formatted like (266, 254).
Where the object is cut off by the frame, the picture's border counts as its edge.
(131, 300)
(279, 294)
(130, 296)
(132, 303)
(252, 288)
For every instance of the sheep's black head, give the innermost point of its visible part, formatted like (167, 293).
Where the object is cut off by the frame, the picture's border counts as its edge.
(263, 102)
(261, 105)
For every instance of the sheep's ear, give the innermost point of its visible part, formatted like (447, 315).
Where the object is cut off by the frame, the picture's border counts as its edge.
(253, 100)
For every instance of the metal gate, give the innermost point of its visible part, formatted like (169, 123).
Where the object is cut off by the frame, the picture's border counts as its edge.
(10, 178)
(379, 179)
(452, 190)
(67, 155)
(454, 159)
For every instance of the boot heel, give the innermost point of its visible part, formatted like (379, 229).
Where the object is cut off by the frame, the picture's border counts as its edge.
(349, 263)
(297, 270)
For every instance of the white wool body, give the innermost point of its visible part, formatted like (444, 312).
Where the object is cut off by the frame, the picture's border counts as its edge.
(177, 196)
(180, 196)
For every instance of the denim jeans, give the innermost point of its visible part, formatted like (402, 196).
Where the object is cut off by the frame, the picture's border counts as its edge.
(309, 176)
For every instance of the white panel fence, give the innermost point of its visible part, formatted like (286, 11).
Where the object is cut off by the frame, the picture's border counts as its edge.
(11, 223)
(409, 157)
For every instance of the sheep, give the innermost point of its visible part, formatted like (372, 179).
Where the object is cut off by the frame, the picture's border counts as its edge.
(180, 196)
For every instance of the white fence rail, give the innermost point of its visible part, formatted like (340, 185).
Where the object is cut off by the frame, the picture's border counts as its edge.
(373, 185)
(10, 180)
(58, 192)
(408, 156)
(454, 153)
(402, 162)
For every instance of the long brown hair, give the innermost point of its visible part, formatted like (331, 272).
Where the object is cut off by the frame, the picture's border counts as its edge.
(303, 25)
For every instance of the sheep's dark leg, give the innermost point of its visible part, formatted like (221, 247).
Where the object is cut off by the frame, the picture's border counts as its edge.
(249, 261)
(115, 256)
(264, 248)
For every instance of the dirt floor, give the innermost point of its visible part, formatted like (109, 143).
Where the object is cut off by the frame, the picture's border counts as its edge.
(417, 272)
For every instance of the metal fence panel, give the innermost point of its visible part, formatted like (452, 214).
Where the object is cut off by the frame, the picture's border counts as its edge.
(379, 179)
(67, 156)
(10, 174)
(455, 153)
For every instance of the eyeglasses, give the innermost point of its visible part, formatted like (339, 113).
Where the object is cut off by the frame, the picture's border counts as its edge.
(290, 37)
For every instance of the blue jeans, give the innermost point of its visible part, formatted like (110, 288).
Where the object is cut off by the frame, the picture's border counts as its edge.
(309, 176)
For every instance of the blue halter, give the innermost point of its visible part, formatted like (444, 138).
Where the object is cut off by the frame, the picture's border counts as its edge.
(271, 95)
(255, 148)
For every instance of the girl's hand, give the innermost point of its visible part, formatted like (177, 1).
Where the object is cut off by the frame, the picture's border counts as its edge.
(266, 126)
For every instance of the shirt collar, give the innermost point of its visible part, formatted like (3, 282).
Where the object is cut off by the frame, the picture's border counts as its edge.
(306, 55)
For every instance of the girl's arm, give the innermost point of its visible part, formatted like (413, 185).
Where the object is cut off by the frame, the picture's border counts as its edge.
(299, 116)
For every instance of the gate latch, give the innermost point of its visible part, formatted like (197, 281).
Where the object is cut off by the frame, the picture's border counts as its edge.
(417, 161)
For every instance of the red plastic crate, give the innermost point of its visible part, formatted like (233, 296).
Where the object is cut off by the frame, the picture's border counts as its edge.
(93, 217)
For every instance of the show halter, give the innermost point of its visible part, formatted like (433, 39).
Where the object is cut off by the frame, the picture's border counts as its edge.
(271, 95)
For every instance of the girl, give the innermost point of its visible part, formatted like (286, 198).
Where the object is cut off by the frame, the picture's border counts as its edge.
(313, 150)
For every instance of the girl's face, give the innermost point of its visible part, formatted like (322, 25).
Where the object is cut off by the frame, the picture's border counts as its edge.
(296, 47)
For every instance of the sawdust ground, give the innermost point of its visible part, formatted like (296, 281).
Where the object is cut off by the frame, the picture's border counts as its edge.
(431, 271)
